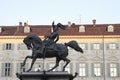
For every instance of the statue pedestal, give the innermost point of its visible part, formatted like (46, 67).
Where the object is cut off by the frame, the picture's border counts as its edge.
(44, 75)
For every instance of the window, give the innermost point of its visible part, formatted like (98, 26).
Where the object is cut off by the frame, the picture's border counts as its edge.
(96, 46)
(97, 69)
(26, 29)
(112, 46)
(7, 69)
(110, 28)
(82, 69)
(83, 46)
(8, 46)
(82, 29)
(113, 70)
(22, 46)
(20, 68)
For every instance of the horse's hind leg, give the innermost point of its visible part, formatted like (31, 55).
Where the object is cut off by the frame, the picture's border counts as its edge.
(56, 65)
(67, 62)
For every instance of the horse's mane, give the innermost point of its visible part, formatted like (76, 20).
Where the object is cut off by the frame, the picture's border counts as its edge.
(35, 37)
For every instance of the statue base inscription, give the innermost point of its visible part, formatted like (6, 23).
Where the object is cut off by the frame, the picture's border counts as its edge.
(44, 75)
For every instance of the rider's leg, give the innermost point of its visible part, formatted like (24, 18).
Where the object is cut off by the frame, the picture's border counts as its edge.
(43, 50)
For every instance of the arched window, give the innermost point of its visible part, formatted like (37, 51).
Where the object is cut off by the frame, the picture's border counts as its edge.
(26, 29)
(82, 29)
(110, 28)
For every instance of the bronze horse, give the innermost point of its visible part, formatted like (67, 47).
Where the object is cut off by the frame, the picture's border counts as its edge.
(60, 51)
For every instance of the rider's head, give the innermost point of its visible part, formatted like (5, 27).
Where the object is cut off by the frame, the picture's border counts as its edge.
(59, 25)
(55, 27)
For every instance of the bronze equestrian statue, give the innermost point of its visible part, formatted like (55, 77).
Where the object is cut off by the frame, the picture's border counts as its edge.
(48, 48)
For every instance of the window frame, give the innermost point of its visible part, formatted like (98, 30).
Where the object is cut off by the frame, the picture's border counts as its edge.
(7, 69)
(113, 70)
(83, 46)
(96, 46)
(97, 69)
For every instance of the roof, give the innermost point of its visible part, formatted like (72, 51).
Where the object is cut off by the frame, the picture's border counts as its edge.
(98, 29)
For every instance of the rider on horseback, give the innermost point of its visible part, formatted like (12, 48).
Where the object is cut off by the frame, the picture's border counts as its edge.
(52, 38)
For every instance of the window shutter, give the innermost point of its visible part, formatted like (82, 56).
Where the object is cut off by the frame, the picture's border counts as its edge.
(92, 70)
(11, 69)
(12, 46)
(92, 46)
(117, 46)
(47, 66)
(86, 45)
(3, 46)
(71, 67)
(107, 46)
(101, 46)
(77, 68)
(118, 69)
(3, 70)
(102, 69)
(18, 68)
(108, 69)
(26, 66)
(86, 69)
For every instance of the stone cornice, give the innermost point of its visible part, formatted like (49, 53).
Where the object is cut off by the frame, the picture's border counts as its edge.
(64, 37)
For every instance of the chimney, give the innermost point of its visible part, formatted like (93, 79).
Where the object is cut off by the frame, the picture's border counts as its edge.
(69, 24)
(20, 23)
(18, 28)
(25, 24)
(94, 22)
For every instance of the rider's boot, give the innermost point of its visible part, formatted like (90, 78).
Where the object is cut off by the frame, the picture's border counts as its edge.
(42, 51)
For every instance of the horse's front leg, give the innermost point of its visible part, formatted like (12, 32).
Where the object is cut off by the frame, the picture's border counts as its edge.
(24, 62)
(33, 61)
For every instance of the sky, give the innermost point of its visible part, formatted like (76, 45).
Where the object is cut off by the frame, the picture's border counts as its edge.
(44, 12)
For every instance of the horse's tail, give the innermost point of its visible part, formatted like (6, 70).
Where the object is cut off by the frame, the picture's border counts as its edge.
(73, 44)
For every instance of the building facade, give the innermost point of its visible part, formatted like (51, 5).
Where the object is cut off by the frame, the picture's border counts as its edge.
(100, 42)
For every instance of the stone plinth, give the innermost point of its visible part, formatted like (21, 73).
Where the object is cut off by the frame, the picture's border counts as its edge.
(44, 75)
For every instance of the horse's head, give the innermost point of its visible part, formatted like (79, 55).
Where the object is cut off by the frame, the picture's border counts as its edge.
(31, 39)
(27, 42)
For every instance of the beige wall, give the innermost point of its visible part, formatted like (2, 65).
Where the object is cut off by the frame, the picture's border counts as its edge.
(89, 56)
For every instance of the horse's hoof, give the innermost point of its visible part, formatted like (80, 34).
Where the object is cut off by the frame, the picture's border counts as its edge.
(63, 70)
(49, 70)
(27, 71)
